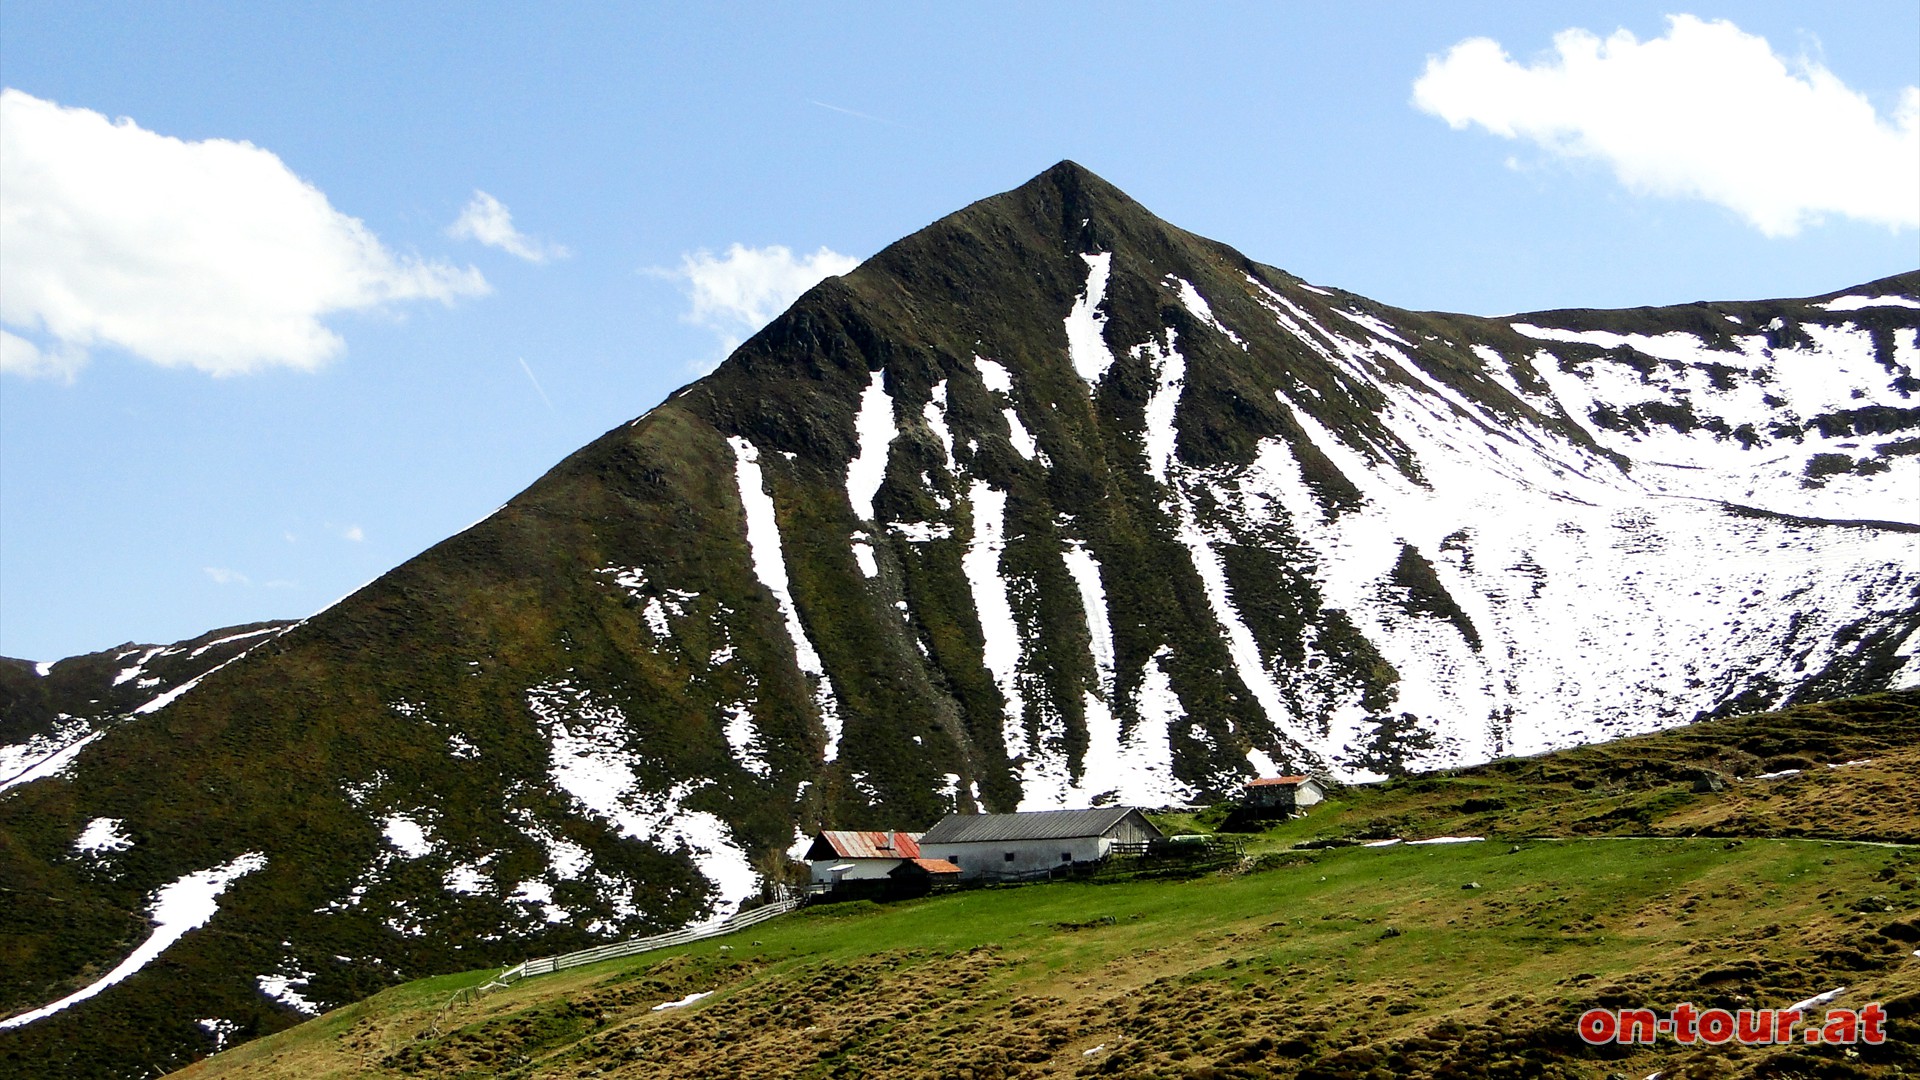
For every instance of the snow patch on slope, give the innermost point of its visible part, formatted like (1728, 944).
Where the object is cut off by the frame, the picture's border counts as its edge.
(216, 642)
(863, 555)
(1569, 569)
(137, 666)
(408, 836)
(1741, 426)
(49, 754)
(1001, 632)
(1169, 370)
(1150, 747)
(286, 989)
(744, 739)
(175, 694)
(591, 760)
(935, 414)
(1085, 570)
(1855, 303)
(103, 836)
(1198, 307)
(770, 565)
(175, 909)
(999, 380)
(1086, 326)
(1169, 378)
(876, 431)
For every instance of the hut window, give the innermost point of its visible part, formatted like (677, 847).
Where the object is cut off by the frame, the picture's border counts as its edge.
(1009, 856)
(1066, 856)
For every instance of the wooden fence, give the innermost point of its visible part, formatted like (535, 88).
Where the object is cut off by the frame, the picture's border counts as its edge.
(544, 965)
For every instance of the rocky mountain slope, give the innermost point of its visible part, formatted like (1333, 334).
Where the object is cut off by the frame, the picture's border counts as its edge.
(1050, 503)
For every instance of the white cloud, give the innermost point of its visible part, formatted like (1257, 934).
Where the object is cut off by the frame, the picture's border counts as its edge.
(1708, 111)
(223, 576)
(737, 293)
(211, 255)
(353, 533)
(486, 220)
(19, 356)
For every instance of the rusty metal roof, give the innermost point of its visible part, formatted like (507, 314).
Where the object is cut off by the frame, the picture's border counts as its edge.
(936, 866)
(1279, 781)
(1035, 825)
(848, 844)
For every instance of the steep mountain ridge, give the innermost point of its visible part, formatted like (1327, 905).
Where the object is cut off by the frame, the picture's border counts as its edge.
(1050, 503)
(49, 709)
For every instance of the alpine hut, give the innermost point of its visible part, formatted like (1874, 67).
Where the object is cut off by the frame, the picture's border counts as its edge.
(1036, 843)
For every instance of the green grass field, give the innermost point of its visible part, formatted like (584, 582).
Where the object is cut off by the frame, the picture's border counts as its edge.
(1458, 960)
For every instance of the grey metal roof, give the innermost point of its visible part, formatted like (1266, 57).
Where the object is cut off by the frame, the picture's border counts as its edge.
(1036, 825)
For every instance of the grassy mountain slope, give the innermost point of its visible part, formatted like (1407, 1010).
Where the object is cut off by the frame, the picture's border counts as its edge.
(1452, 960)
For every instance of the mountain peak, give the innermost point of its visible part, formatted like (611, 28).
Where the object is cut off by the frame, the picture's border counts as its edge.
(1078, 183)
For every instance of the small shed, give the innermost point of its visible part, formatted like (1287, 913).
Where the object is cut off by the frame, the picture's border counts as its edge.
(917, 877)
(839, 855)
(1283, 793)
(1035, 843)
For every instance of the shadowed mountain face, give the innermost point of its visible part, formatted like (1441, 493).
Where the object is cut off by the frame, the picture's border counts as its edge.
(1050, 504)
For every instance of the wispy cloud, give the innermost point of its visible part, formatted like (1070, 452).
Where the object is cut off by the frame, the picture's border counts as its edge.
(856, 113)
(353, 534)
(211, 255)
(487, 221)
(536, 384)
(737, 293)
(1708, 111)
(223, 576)
(59, 360)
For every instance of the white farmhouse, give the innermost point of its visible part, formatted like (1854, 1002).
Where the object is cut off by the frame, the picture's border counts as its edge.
(1033, 844)
(844, 855)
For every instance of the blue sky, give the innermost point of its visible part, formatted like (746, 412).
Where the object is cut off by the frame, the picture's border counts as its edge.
(156, 482)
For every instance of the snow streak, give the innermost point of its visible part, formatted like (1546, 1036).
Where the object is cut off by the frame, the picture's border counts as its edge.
(175, 909)
(770, 565)
(1086, 327)
(981, 564)
(875, 428)
(999, 380)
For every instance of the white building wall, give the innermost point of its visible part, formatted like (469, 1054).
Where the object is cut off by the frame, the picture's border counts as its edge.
(863, 869)
(977, 859)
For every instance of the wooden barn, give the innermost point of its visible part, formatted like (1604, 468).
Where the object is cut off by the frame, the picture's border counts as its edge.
(1036, 843)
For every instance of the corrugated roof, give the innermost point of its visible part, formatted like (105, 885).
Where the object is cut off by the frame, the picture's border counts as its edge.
(1278, 781)
(848, 844)
(936, 866)
(1037, 825)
